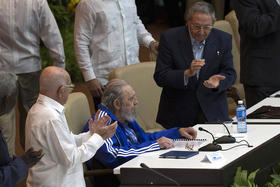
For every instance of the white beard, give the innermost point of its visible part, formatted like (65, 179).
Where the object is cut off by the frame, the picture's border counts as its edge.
(128, 116)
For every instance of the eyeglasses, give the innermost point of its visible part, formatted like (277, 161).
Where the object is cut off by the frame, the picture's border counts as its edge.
(199, 27)
(72, 86)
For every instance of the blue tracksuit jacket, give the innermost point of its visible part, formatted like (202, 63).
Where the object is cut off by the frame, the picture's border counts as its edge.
(116, 150)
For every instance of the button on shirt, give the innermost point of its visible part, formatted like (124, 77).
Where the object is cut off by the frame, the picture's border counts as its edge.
(107, 36)
(64, 152)
(23, 24)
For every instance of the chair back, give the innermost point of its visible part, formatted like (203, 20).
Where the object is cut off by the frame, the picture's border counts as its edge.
(233, 21)
(77, 111)
(140, 77)
(226, 27)
(236, 92)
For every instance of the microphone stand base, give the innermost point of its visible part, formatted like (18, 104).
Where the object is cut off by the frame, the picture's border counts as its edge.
(226, 139)
(210, 147)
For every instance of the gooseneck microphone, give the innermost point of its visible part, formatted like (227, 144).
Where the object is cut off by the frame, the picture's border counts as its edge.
(211, 146)
(227, 138)
(160, 174)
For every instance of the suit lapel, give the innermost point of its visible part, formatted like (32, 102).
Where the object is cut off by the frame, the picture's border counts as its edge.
(208, 53)
(186, 47)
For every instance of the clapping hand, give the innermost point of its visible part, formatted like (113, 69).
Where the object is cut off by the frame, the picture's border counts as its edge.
(196, 65)
(31, 157)
(213, 81)
(99, 126)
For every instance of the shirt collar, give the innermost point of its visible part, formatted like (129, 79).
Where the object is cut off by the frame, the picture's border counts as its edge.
(51, 102)
(193, 41)
(103, 108)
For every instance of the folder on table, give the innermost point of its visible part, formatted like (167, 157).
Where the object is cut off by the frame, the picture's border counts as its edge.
(178, 154)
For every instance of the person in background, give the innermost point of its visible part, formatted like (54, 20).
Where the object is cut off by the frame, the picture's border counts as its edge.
(23, 24)
(175, 10)
(259, 28)
(12, 169)
(194, 67)
(118, 102)
(107, 36)
(46, 127)
(145, 10)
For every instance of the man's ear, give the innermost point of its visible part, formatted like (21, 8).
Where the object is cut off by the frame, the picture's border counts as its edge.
(60, 92)
(117, 104)
(214, 21)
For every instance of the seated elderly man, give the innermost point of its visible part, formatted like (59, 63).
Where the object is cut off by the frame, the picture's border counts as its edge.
(46, 127)
(130, 140)
(12, 170)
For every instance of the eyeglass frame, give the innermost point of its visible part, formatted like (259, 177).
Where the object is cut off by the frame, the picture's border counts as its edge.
(72, 86)
(198, 27)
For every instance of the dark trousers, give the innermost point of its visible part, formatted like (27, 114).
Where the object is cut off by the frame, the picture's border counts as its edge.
(28, 86)
(254, 94)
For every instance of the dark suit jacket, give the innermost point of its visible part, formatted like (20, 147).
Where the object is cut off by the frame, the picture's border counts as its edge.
(179, 104)
(259, 27)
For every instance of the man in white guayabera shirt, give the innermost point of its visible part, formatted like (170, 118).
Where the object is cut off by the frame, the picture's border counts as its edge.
(23, 24)
(107, 36)
(47, 129)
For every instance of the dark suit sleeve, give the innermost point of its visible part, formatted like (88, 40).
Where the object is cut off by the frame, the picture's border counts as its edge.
(11, 170)
(165, 74)
(226, 67)
(258, 18)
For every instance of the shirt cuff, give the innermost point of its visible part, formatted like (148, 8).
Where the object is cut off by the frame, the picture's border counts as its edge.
(88, 75)
(147, 40)
(97, 140)
(186, 81)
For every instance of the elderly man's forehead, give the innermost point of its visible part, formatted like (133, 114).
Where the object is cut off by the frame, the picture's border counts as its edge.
(128, 90)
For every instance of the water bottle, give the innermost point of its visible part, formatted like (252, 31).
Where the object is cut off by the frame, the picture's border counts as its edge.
(241, 117)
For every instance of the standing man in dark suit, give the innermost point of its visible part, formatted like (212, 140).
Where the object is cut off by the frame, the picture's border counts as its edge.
(194, 67)
(259, 28)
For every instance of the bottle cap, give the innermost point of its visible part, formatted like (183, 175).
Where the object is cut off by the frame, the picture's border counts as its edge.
(240, 102)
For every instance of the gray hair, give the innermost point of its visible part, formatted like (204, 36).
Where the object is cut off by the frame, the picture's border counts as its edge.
(113, 91)
(8, 84)
(201, 7)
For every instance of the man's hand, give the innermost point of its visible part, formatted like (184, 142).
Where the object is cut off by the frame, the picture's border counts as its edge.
(165, 143)
(196, 65)
(213, 81)
(31, 157)
(96, 89)
(107, 131)
(99, 126)
(154, 47)
(189, 132)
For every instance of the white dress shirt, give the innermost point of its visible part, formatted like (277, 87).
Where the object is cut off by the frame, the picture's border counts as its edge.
(47, 129)
(107, 36)
(23, 24)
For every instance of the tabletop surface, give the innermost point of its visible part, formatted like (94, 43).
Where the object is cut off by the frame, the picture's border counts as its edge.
(256, 135)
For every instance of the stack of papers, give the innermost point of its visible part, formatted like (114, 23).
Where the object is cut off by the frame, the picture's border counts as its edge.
(191, 145)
